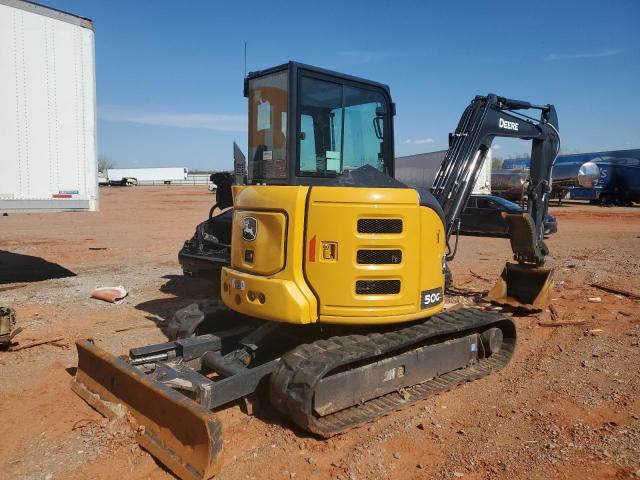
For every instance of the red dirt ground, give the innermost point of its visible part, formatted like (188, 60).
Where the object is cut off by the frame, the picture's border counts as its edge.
(567, 406)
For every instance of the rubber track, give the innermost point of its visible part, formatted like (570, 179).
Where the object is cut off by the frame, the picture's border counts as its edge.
(294, 381)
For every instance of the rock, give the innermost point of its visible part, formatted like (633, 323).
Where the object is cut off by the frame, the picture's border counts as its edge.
(421, 426)
(396, 455)
(420, 466)
(458, 474)
(595, 299)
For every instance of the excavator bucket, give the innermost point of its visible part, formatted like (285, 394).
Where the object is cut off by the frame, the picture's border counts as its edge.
(183, 435)
(523, 286)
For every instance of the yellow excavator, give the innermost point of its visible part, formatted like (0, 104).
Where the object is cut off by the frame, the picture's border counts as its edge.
(333, 299)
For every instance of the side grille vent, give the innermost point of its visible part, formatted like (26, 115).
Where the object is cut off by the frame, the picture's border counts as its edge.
(379, 225)
(379, 257)
(377, 287)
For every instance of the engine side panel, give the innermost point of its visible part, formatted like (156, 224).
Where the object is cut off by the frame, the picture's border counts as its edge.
(372, 254)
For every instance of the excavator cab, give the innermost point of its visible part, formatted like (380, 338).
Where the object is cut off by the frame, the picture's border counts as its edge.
(309, 126)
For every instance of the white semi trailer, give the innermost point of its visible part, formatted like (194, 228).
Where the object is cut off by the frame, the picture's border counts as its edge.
(146, 176)
(47, 110)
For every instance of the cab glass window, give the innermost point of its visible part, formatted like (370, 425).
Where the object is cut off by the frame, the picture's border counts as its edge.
(341, 128)
(268, 106)
(308, 145)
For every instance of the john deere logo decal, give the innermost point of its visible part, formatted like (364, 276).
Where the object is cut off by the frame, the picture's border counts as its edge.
(250, 229)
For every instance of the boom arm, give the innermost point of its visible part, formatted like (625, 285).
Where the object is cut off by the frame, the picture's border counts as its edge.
(483, 120)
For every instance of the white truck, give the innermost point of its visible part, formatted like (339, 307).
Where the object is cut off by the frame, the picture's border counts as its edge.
(146, 176)
(47, 110)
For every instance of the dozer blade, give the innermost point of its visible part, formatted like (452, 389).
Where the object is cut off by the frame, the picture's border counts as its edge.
(523, 286)
(180, 433)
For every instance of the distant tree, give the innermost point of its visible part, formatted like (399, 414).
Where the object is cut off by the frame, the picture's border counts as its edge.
(496, 163)
(105, 163)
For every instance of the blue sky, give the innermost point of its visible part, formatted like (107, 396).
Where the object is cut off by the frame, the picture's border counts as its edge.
(170, 74)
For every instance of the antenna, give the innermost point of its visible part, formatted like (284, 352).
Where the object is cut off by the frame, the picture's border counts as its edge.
(245, 58)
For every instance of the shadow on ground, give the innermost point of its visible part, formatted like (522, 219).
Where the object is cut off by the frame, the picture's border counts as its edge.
(185, 290)
(16, 267)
